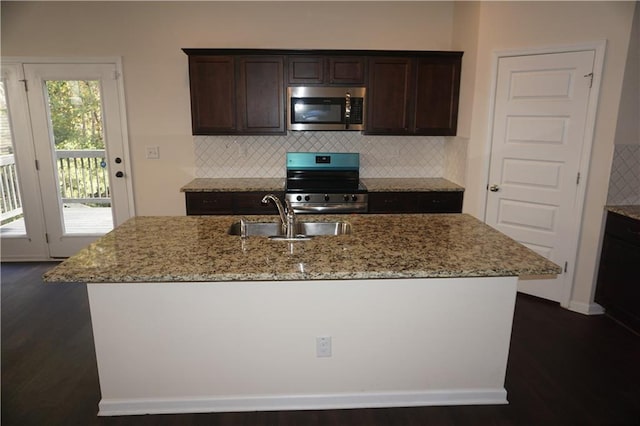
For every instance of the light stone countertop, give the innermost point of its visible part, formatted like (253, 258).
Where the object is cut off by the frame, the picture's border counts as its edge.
(410, 184)
(631, 211)
(276, 184)
(197, 248)
(234, 185)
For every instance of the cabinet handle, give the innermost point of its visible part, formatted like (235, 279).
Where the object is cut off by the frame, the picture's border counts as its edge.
(632, 232)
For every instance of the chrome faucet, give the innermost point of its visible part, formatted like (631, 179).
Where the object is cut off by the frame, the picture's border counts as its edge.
(287, 215)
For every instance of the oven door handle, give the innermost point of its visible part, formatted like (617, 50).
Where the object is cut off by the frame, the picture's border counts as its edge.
(346, 207)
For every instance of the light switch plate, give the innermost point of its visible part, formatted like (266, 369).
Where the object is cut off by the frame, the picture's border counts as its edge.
(153, 153)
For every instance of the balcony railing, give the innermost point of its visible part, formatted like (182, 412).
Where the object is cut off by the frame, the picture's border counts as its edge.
(82, 177)
(11, 203)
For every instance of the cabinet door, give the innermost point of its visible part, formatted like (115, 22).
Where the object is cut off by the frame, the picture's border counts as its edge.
(392, 202)
(618, 287)
(261, 95)
(213, 100)
(306, 70)
(346, 70)
(250, 203)
(388, 96)
(437, 91)
(440, 202)
(209, 203)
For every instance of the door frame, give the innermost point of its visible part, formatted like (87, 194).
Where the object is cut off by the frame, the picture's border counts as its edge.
(599, 48)
(112, 60)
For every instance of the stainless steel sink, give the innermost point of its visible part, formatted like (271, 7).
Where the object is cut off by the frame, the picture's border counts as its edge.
(274, 229)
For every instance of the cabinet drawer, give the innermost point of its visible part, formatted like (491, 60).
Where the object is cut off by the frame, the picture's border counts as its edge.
(624, 228)
(251, 203)
(392, 202)
(415, 202)
(203, 203)
(440, 202)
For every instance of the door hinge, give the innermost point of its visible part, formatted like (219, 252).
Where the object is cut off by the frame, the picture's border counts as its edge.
(566, 266)
(26, 87)
(37, 165)
(590, 75)
(46, 237)
(578, 179)
(116, 75)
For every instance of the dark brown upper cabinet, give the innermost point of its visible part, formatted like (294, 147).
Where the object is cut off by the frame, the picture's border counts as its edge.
(243, 91)
(213, 94)
(413, 95)
(389, 96)
(237, 94)
(261, 93)
(334, 70)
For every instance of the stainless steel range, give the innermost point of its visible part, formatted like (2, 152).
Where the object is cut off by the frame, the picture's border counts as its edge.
(322, 182)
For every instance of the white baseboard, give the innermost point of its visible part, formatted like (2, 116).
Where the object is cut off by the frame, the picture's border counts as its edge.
(586, 308)
(121, 407)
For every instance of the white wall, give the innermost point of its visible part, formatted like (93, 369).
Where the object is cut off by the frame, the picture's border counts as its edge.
(519, 25)
(149, 37)
(624, 183)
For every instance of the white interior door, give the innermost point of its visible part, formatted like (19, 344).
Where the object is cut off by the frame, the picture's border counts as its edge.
(541, 107)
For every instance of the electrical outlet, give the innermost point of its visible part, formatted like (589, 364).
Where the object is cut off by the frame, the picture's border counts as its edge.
(323, 346)
(153, 153)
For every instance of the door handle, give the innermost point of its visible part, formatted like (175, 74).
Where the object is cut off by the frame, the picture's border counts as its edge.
(494, 188)
(119, 174)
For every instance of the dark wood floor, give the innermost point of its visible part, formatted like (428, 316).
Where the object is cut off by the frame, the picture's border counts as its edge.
(564, 369)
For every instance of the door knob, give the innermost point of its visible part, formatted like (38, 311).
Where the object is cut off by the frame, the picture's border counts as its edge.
(494, 188)
(119, 174)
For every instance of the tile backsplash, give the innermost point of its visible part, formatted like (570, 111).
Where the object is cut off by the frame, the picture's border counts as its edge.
(624, 183)
(380, 156)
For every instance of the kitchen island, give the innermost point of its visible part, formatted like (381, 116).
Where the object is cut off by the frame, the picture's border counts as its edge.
(187, 318)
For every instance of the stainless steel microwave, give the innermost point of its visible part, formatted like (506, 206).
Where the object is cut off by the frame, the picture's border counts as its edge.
(325, 108)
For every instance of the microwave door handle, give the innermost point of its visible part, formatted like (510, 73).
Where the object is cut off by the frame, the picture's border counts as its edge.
(347, 110)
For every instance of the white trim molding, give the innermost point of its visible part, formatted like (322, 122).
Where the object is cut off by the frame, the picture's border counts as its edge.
(123, 407)
(586, 308)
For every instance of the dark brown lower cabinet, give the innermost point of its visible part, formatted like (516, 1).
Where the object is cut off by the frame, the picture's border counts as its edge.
(618, 288)
(416, 202)
(221, 203)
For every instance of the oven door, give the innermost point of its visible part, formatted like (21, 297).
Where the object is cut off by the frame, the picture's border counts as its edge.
(325, 108)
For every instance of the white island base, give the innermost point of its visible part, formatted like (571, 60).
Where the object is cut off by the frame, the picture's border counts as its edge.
(251, 346)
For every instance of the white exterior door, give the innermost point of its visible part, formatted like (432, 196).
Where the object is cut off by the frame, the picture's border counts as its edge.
(78, 153)
(541, 108)
(22, 222)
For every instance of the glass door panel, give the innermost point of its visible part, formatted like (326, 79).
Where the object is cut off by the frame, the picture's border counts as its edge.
(80, 161)
(11, 216)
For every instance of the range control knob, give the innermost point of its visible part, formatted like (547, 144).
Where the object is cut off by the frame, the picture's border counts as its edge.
(326, 197)
(307, 198)
(354, 197)
(299, 198)
(346, 197)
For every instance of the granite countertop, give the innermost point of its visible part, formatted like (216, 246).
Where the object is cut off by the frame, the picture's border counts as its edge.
(276, 184)
(197, 248)
(632, 211)
(410, 184)
(234, 184)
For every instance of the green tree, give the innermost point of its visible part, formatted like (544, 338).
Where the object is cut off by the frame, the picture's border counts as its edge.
(76, 114)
